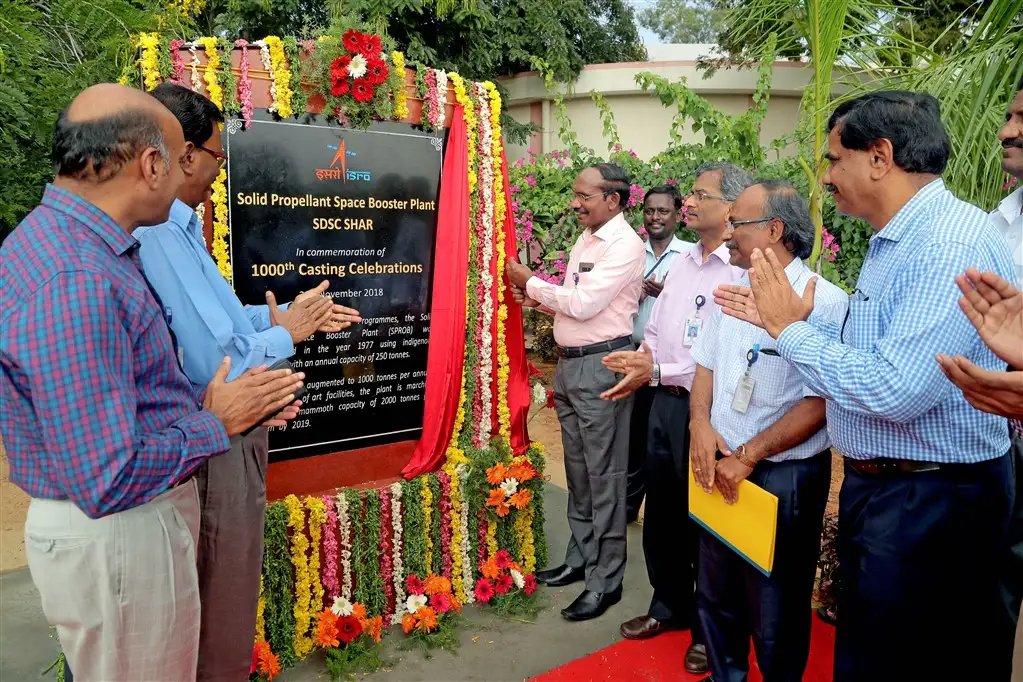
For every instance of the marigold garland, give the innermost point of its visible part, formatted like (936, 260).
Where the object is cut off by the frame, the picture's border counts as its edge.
(317, 517)
(280, 73)
(149, 60)
(444, 518)
(260, 608)
(492, 538)
(400, 98)
(526, 552)
(213, 89)
(218, 197)
(303, 643)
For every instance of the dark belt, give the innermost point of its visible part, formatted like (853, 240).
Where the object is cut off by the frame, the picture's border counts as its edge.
(674, 390)
(883, 466)
(602, 347)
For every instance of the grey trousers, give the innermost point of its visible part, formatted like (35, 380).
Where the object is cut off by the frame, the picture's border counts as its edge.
(595, 435)
(232, 492)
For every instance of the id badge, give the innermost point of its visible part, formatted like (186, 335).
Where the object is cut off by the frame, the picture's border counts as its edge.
(743, 394)
(692, 331)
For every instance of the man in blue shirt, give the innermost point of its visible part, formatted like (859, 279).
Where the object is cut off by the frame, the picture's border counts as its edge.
(210, 322)
(927, 491)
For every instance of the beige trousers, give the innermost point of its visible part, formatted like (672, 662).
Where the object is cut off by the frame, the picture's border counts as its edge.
(122, 590)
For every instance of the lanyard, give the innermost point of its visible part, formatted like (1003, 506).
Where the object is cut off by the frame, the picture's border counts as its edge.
(752, 356)
(659, 260)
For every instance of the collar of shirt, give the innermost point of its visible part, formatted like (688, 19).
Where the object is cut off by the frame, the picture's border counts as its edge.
(182, 215)
(608, 229)
(696, 253)
(79, 209)
(676, 245)
(905, 219)
(1011, 206)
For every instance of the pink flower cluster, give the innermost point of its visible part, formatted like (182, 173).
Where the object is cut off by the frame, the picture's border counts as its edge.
(177, 62)
(829, 247)
(433, 108)
(523, 224)
(330, 561)
(386, 568)
(244, 83)
(636, 195)
(481, 535)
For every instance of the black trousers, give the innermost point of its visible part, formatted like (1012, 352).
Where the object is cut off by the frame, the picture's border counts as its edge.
(920, 556)
(670, 537)
(736, 600)
(636, 485)
(1012, 559)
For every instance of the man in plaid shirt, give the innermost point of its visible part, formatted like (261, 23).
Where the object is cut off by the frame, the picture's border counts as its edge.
(102, 428)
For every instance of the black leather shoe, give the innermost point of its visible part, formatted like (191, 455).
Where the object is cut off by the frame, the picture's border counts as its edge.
(562, 575)
(591, 604)
(696, 659)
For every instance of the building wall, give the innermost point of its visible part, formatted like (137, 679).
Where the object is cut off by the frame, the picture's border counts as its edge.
(643, 123)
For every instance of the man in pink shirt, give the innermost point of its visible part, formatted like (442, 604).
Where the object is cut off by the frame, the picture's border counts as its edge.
(593, 313)
(670, 537)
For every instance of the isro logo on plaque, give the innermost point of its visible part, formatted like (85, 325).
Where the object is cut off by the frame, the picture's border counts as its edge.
(338, 169)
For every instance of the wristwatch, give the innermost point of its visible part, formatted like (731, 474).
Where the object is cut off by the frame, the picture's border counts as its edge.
(740, 454)
(656, 378)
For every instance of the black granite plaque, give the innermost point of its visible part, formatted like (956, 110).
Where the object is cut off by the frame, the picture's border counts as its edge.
(312, 201)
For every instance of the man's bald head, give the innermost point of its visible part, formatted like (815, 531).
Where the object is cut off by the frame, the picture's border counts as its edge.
(106, 127)
(120, 149)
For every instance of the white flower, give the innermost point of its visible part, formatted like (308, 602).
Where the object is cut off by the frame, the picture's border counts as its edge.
(415, 602)
(341, 607)
(357, 67)
(517, 578)
(509, 486)
(539, 394)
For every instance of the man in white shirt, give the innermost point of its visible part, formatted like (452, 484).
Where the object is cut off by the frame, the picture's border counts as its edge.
(662, 209)
(1008, 217)
(753, 417)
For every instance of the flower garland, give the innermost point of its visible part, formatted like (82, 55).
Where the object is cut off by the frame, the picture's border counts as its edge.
(463, 536)
(293, 51)
(245, 83)
(486, 240)
(386, 555)
(455, 511)
(302, 643)
(500, 213)
(430, 78)
(149, 61)
(523, 526)
(396, 547)
(213, 90)
(280, 73)
(492, 538)
(414, 535)
(441, 97)
(330, 553)
(317, 517)
(228, 81)
(482, 532)
(444, 517)
(344, 525)
(196, 81)
(279, 616)
(218, 197)
(177, 62)
(260, 608)
(426, 498)
(400, 98)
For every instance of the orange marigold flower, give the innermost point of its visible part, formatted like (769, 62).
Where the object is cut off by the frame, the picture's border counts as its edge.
(522, 472)
(521, 499)
(496, 497)
(490, 569)
(374, 627)
(496, 474)
(408, 623)
(269, 664)
(427, 619)
(358, 611)
(326, 630)
(502, 510)
(436, 584)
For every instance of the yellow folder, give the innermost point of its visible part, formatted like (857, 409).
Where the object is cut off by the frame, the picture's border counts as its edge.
(749, 526)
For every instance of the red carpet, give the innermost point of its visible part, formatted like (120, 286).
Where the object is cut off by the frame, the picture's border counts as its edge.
(661, 660)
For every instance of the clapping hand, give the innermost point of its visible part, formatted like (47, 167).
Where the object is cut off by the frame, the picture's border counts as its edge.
(998, 393)
(252, 397)
(738, 301)
(995, 307)
(302, 318)
(341, 317)
(284, 416)
(777, 302)
(651, 287)
(637, 366)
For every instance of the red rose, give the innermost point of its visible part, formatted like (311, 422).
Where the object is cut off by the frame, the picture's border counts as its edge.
(484, 590)
(348, 628)
(376, 71)
(362, 90)
(530, 584)
(502, 559)
(504, 583)
(371, 45)
(340, 87)
(352, 40)
(414, 585)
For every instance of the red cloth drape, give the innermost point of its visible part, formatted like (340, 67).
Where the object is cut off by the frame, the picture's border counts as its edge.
(514, 337)
(447, 319)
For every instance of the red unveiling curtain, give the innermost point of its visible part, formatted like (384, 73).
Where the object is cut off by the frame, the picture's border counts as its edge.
(514, 337)
(447, 320)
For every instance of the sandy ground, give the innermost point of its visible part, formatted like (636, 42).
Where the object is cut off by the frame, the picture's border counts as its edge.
(13, 507)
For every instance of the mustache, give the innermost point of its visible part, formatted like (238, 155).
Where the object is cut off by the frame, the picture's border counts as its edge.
(1013, 142)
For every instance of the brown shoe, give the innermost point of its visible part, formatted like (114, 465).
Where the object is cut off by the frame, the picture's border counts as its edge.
(644, 627)
(696, 659)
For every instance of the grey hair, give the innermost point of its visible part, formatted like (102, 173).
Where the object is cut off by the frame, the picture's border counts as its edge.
(98, 148)
(733, 179)
(786, 204)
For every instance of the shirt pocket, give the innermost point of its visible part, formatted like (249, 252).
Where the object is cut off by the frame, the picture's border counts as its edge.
(777, 382)
(865, 326)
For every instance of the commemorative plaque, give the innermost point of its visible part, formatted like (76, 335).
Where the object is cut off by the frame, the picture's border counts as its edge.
(310, 202)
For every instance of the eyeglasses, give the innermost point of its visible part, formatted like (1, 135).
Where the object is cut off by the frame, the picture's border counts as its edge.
(733, 223)
(584, 197)
(221, 158)
(701, 196)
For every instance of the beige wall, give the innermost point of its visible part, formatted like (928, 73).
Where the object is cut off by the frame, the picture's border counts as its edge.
(643, 123)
